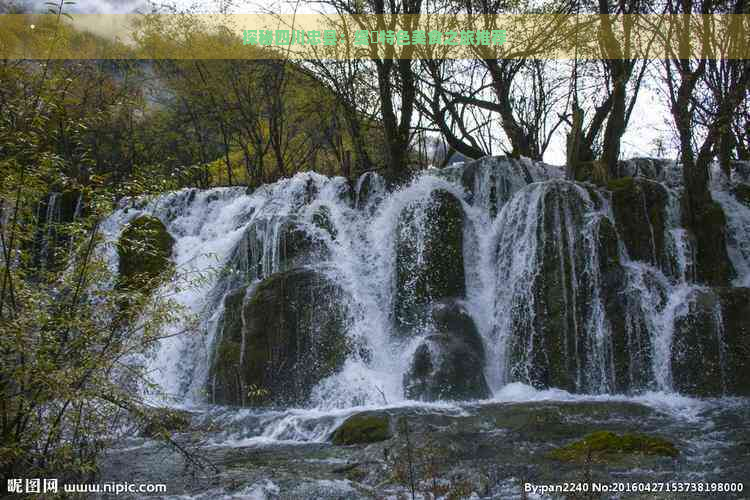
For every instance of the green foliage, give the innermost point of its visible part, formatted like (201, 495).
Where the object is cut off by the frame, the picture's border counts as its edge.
(164, 421)
(65, 389)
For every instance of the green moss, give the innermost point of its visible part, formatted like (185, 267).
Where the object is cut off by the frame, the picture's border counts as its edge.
(605, 446)
(144, 250)
(362, 428)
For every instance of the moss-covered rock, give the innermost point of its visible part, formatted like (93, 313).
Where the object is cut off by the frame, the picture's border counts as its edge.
(273, 245)
(448, 364)
(161, 421)
(639, 209)
(713, 266)
(711, 344)
(735, 315)
(144, 250)
(370, 190)
(605, 446)
(630, 336)
(549, 346)
(363, 428)
(697, 367)
(279, 340)
(429, 257)
(322, 219)
(594, 171)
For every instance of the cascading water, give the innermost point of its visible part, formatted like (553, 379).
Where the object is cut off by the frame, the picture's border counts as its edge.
(550, 283)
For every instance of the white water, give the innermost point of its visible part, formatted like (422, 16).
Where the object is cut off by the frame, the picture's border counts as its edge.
(503, 238)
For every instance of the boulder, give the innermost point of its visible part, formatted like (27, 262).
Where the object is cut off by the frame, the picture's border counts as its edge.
(711, 344)
(362, 428)
(551, 305)
(655, 169)
(713, 266)
(429, 257)
(448, 365)
(697, 367)
(735, 314)
(278, 339)
(639, 207)
(322, 219)
(370, 191)
(272, 245)
(144, 250)
(630, 336)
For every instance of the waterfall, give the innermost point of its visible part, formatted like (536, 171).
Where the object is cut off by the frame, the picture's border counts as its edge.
(547, 278)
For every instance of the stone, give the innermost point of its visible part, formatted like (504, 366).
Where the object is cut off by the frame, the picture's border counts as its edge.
(279, 339)
(606, 446)
(696, 357)
(362, 428)
(548, 347)
(639, 207)
(144, 250)
(429, 258)
(448, 364)
(735, 313)
(713, 266)
(711, 344)
(274, 245)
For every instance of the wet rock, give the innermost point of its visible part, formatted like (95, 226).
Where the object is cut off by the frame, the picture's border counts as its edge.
(608, 447)
(594, 171)
(275, 245)
(713, 266)
(735, 315)
(697, 367)
(630, 336)
(711, 344)
(549, 344)
(370, 190)
(741, 171)
(322, 219)
(144, 250)
(362, 428)
(279, 340)
(655, 169)
(429, 257)
(448, 364)
(639, 209)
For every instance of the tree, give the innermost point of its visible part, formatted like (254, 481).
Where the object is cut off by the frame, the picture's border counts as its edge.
(684, 74)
